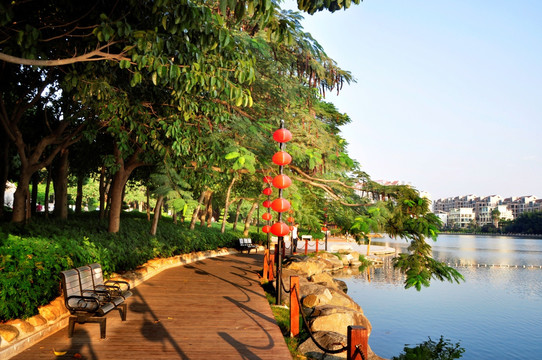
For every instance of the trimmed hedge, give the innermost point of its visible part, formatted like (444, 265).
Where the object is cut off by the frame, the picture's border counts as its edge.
(32, 256)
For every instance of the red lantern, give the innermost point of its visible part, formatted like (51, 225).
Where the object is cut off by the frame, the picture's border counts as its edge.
(282, 158)
(291, 227)
(290, 219)
(266, 216)
(267, 179)
(280, 205)
(280, 229)
(324, 228)
(267, 191)
(282, 181)
(267, 204)
(282, 135)
(266, 228)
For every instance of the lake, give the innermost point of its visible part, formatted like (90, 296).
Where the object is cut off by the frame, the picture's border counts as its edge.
(495, 314)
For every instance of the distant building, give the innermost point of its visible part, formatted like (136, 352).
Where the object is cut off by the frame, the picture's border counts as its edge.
(461, 217)
(509, 208)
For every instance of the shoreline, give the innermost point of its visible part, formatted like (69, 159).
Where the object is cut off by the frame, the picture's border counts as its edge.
(526, 236)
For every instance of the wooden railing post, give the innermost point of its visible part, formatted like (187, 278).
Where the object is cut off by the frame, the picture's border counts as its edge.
(294, 306)
(358, 337)
(266, 264)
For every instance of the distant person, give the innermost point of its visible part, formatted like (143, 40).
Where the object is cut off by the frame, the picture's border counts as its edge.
(294, 238)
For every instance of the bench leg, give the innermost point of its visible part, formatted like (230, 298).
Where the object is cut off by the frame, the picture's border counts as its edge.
(123, 311)
(71, 326)
(103, 322)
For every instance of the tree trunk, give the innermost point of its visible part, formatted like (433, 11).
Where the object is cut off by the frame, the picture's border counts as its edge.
(148, 204)
(20, 197)
(206, 203)
(60, 184)
(125, 169)
(196, 211)
(249, 217)
(103, 192)
(34, 196)
(157, 213)
(79, 196)
(237, 211)
(209, 212)
(175, 217)
(4, 169)
(227, 205)
(47, 187)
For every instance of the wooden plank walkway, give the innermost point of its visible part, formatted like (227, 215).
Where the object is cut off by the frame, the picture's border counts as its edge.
(210, 309)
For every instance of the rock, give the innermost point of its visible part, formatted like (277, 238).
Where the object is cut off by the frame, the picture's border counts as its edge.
(21, 325)
(37, 320)
(8, 332)
(328, 340)
(49, 312)
(308, 267)
(332, 264)
(337, 319)
(341, 285)
(324, 279)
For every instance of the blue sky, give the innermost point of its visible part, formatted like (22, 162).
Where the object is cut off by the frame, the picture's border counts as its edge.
(448, 94)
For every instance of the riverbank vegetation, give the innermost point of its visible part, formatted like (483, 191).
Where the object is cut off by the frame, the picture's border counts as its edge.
(526, 224)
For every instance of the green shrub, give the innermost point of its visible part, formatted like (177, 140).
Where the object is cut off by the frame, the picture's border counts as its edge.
(431, 350)
(33, 255)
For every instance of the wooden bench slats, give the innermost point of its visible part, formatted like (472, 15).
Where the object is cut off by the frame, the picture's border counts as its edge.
(246, 244)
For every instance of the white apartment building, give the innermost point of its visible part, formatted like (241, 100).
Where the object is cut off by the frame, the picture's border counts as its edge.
(510, 208)
(461, 217)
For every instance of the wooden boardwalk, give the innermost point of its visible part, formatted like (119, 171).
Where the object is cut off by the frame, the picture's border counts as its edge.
(210, 309)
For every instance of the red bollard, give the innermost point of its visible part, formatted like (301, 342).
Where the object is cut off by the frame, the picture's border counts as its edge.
(294, 306)
(271, 262)
(306, 246)
(316, 246)
(358, 336)
(266, 264)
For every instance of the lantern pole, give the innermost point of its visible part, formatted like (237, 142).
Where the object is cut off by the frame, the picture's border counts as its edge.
(280, 238)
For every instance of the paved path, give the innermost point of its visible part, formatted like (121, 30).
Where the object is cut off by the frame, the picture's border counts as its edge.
(210, 309)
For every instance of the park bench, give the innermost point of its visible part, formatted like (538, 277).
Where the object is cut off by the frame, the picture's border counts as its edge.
(246, 244)
(85, 303)
(114, 287)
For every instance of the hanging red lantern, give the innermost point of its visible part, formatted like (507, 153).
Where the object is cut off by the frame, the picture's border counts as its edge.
(266, 204)
(267, 191)
(280, 205)
(282, 158)
(282, 181)
(290, 219)
(266, 216)
(280, 229)
(291, 211)
(282, 135)
(324, 228)
(267, 179)
(291, 227)
(266, 228)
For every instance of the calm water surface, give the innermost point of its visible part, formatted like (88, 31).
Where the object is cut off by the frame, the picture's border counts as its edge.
(495, 314)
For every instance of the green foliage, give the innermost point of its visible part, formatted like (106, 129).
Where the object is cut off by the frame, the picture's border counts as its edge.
(32, 256)
(526, 223)
(431, 350)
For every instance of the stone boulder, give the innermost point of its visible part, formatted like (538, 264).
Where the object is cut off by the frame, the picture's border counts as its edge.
(8, 332)
(324, 279)
(308, 267)
(336, 319)
(328, 340)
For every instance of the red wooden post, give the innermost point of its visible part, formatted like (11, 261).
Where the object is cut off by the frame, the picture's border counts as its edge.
(266, 264)
(316, 246)
(358, 337)
(294, 306)
(306, 246)
(271, 271)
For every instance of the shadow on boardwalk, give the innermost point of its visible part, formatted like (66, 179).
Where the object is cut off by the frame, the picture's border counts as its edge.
(211, 309)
